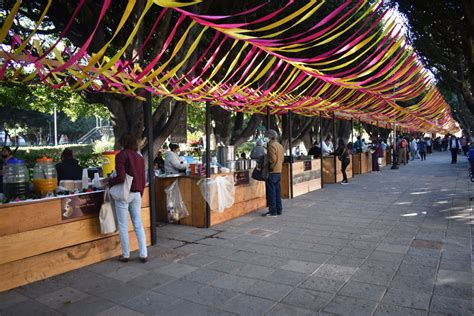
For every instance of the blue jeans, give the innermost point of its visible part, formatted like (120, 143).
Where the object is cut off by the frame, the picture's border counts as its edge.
(122, 208)
(273, 193)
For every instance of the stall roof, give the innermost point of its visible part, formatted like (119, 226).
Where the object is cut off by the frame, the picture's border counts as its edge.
(353, 62)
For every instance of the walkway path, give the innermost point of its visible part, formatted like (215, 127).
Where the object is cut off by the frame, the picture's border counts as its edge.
(394, 243)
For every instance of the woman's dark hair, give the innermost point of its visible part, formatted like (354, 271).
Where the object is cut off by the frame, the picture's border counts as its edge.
(341, 143)
(67, 154)
(8, 149)
(173, 147)
(128, 141)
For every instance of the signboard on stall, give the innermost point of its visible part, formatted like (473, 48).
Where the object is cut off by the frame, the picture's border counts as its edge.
(74, 206)
(241, 177)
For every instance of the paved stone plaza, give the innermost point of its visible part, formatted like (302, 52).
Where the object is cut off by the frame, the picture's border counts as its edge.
(394, 243)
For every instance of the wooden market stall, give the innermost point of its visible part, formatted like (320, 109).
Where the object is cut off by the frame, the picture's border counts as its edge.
(249, 197)
(306, 177)
(332, 170)
(43, 238)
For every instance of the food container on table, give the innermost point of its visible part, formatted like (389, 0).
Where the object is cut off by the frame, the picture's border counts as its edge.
(108, 162)
(16, 179)
(45, 179)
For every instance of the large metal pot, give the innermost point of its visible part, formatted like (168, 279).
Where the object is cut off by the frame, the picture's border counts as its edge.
(225, 153)
(251, 164)
(240, 165)
(230, 165)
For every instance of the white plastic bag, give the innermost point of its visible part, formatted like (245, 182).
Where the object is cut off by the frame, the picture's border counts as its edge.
(106, 216)
(174, 203)
(219, 192)
(121, 191)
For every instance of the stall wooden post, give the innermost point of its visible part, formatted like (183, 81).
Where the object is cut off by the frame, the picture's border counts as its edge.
(360, 134)
(334, 141)
(151, 172)
(290, 145)
(208, 158)
(321, 145)
(352, 141)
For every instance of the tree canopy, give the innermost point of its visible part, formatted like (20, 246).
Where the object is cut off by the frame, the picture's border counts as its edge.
(443, 34)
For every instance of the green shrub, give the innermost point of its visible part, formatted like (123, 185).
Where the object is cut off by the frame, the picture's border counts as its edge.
(83, 153)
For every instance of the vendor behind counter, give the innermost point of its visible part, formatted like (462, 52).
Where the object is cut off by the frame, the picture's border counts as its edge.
(173, 165)
(68, 168)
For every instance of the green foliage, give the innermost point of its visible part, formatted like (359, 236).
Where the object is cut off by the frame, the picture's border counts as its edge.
(245, 148)
(196, 117)
(43, 98)
(83, 153)
(103, 144)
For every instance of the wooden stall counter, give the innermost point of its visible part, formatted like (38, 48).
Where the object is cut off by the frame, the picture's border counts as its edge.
(249, 197)
(332, 167)
(43, 238)
(306, 177)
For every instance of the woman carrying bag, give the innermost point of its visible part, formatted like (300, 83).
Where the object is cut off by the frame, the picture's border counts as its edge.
(129, 164)
(343, 155)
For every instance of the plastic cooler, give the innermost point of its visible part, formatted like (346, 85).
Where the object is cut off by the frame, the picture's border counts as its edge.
(108, 162)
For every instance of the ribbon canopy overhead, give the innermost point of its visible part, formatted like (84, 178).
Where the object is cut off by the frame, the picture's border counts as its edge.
(351, 61)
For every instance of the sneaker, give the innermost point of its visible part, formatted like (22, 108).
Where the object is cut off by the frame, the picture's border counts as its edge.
(268, 214)
(144, 260)
(344, 182)
(124, 259)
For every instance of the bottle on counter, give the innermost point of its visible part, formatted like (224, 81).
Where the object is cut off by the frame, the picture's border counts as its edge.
(16, 179)
(45, 179)
(85, 179)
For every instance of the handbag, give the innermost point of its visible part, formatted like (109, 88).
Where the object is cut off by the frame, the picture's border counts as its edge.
(106, 216)
(121, 191)
(261, 172)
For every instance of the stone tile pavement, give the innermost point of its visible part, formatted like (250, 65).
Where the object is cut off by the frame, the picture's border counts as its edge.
(394, 243)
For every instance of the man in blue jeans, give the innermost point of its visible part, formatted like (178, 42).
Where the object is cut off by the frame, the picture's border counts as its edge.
(275, 164)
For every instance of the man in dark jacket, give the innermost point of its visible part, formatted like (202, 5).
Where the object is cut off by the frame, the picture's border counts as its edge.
(454, 147)
(68, 168)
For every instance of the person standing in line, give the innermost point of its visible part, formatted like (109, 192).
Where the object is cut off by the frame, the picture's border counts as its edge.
(130, 161)
(454, 147)
(275, 164)
(343, 155)
(258, 151)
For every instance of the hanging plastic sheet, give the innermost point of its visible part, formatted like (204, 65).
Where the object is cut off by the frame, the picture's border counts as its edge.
(218, 192)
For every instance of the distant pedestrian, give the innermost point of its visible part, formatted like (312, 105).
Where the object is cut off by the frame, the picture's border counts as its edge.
(402, 145)
(422, 149)
(454, 147)
(413, 148)
(275, 165)
(376, 154)
(343, 155)
(429, 145)
(464, 145)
